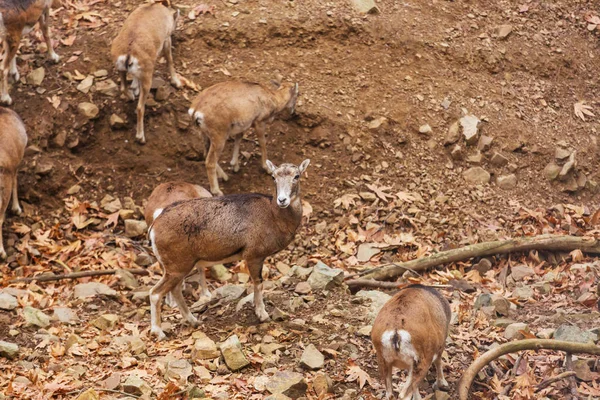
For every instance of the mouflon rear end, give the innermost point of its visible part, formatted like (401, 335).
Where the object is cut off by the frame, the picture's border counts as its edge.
(410, 333)
(146, 34)
(16, 18)
(168, 193)
(218, 230)
(228, 109)
(13, 140)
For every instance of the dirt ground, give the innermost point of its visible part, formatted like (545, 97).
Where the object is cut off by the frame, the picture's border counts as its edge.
(415, 63)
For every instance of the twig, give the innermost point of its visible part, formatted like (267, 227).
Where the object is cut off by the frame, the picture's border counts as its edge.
(547, 382)
(372, 283)
(519, 345)
(76, 275)
(105, 390)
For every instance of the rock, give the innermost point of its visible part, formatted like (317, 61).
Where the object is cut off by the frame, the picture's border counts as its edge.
(137, 386)
(483, 300)
(503, 31)
(36, 77)
(457, 153)
(302, 272)
(425, 129)
(470, 130)
(485, 143)
(74, 189)
(106, 321)
(8, 349)
(283, 268)
(270, 348)
(571, 333)
(245, 300)
(365, 6)
(477, 175)
(506, 182)
(519, 272)
(110, 204)
(162, 93)
(551, 171)
(60, 138)
(475, 158)
(65, 315)
(303, 288)
(501, 305)
(288, 383)
(230, 292)
(546, 333)
(312, 358)
(178, 370)
(144, 260)
(498, 159)
(366, 251)
(569, 165)
(44, 167)
(116, 122)
(88, 110)
(377, 123)
(90, 289)
(561, 153)
(378, 299)
(85, 85)
(8, 301)
(234, 357)
(483, 266)
(89, 394)
(323, 277)
(512, 331)
(107, 88)
(453, 134)
(204, 347)
(503, 322)
(523, 292)
(583, 371)
(35, 317)
(135, 228)
(279, 315)
(101, 73)
(127, 279)
(202, 373)
(220, 273)
(322, 384)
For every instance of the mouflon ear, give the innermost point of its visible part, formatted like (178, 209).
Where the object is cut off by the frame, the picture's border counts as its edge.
(304, 165)
(271, 167)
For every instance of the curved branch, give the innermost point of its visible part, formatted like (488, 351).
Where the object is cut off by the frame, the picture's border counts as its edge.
(519, 345)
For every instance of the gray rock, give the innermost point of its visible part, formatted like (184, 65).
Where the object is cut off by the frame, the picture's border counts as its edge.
(453, 134)
(503, 31)
(36, 77)
(498, 159)
(135, 228)
(90, 289)
(503, 322)
(65, 315)
(425, 129)
(204, 347)
(512, 331)
(301, 272)
(483, 266)
(288, 383)
(106, 321)
(324, 277)
(546, 333)
(561, 153)
(107, 88)
(127, 279)
(475, 158)
(230, 292)
(303, 288)
(366, 251)
(523, 292)
(501, 305)
(279, 315)
(178, 370)
(476, 175)
(234, 357)
(568, 167)
(86, 84)
(470, 128)
(8, 301)
(116, 122)
(270, 348)
(485, 143)
(312, 358)
(220, 273)
(506, 182)
(8, 350)
(483, 300)
(88, 110)
(571, 333)
(551, 171)
(137, 386)
(365, 6)
(519, 272)
(35, 317)
(378, 299)
(322, 384)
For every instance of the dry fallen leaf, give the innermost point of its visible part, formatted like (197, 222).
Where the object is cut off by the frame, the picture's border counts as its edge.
(581, 109)
(356, 373)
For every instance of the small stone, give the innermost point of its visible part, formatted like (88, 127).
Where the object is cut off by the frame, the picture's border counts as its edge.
(377, 123)
(457, 153)
(366, 251)
(378, 299)
(571, 333)
(106, 321)
(288, 383)
(202, 373)
(90, 289)
(8, 301)
(127, 279)
(220, 273)
(470, 128)
(101, 73)
(523, 292)
(204, 347)
(475, 158)
(551, 171)
(498, 159)
(35, 317)
(279, 315)
(144, 260)
(519, 272)
(137, 386)
(569, 165)
(501, 305)
(503, 31)
(303, 288)
(88, 110)
(312, 358)
(8, 349)
(483, 266)
(561, 153)
(270, 348)
(325, 278)
(135, 228)
(483, 300)
(425, 129)
(74, 189)
(116, 122)
(477, 175)
(36, 77)
(178, 370)
(503, 322)
(86, 84)
(322, 384)
(162, 93)
(234, 357)
(485, 143)
(44, 168)
(506, 182)
(365, 6)
(453, 134)
(365, 331)
(230, 292)
(512, 331)
(583, 371)
(546, 333)
(65, 315)
(107, 88)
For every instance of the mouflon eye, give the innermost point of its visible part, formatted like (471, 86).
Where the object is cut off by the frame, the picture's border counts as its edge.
(297, 177)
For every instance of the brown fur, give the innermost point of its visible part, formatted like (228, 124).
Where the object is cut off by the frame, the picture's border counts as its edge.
(209, 231)
(169, 193)
(145, 34)
(13, 140)
(425, 315)
(228, 109)
(15, 16)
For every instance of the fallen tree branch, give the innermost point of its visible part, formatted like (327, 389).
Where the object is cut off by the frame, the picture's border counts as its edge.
(547, 382)
(76, 275)
(371, 283)
(541, 242)
(519, 345)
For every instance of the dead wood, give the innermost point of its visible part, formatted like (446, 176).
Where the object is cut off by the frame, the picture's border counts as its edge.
(528, 344)
(75, 275)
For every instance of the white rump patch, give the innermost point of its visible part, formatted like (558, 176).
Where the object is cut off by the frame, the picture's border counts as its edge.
(191, 111)
(157, 212)
(121, 63)
(133, 68)
(405, 352)
(197, 116)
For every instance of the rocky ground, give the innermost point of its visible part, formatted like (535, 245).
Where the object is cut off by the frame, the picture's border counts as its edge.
(430, 125)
